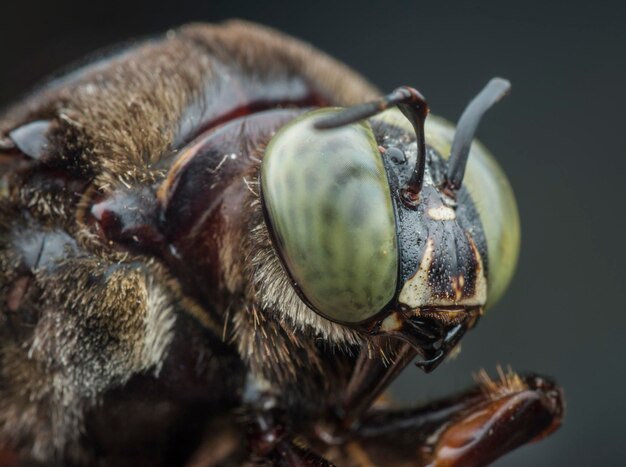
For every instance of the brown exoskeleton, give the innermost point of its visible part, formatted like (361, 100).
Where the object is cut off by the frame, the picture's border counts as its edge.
(204, 262)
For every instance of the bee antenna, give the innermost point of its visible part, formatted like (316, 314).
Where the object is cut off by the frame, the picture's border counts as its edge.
(495, 90)
(414, 107)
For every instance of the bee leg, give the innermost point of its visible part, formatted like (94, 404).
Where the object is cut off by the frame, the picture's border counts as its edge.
(370, 378)
(432, 337)
(289, 453)
(470, 429)
(271, 443)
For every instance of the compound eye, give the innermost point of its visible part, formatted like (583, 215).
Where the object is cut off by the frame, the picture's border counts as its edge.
(328, 205)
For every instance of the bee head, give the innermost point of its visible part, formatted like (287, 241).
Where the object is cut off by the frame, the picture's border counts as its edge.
(374, 226)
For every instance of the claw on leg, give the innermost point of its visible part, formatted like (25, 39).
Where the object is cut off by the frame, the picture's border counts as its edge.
(515, 411)
(471, 429)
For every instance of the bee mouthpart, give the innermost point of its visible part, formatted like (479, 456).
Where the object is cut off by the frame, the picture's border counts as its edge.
(433, 332)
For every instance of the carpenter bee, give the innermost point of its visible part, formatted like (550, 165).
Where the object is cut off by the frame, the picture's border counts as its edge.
(220, 247)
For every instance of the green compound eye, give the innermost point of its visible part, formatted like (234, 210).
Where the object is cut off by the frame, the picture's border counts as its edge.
(328, 204)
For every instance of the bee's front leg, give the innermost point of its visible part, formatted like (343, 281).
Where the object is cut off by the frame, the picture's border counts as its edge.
(473, 428)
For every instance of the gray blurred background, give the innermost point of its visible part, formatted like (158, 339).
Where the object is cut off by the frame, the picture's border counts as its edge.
(560, 137)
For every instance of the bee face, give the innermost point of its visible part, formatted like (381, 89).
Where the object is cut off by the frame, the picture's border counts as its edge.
(356, 248)
(349, 244)
(465, 247)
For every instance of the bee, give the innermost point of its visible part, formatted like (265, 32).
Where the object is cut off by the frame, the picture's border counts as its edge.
(220, 247)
